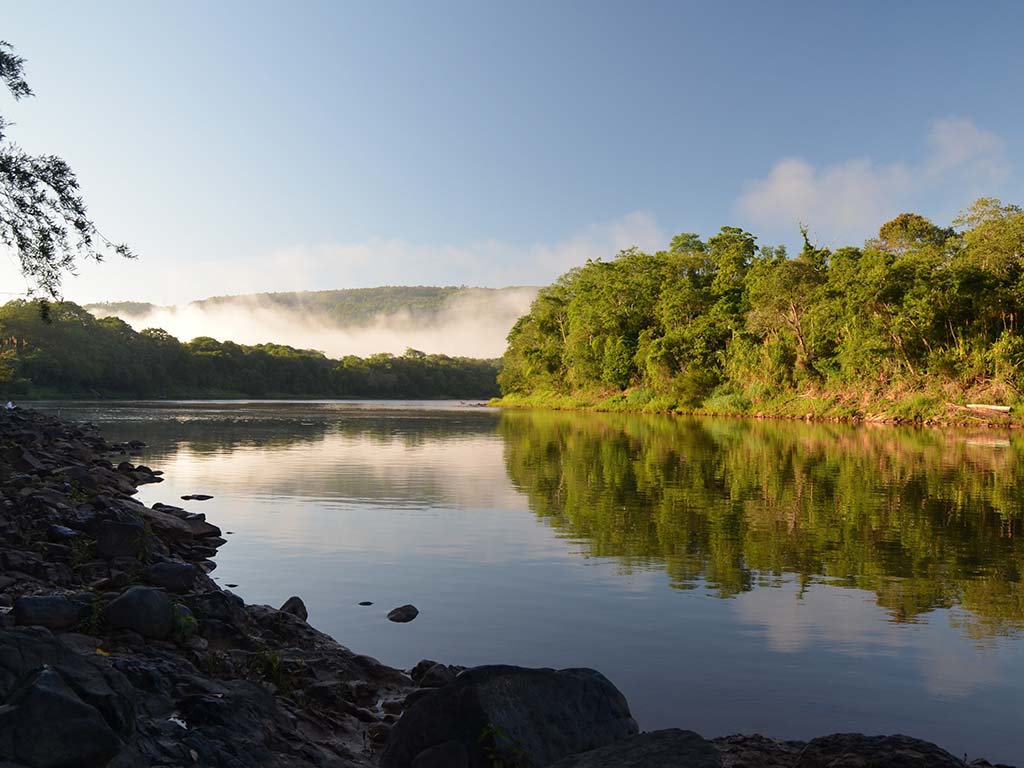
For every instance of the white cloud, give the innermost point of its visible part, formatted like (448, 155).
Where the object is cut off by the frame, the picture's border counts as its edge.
(848, 200)
(957, 144)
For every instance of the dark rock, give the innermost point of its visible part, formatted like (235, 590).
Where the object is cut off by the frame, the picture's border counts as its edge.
(415, 696)
(417, 672)
(166, 526)
(493, 711)
(295, 607)
(403, 614)
(740, 751)
(436, 676)
(45, 724)
(200, 528)
(196, 497)
(54, 612)
(217, 606)
(855, 749)
(362, 602)
(176, 577)
(144, 610)
(120, 539)
(61, 533)
(670, 748)
(451, 754)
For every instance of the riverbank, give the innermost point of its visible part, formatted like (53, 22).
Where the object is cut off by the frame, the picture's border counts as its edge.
(933, 409)
(118, 649)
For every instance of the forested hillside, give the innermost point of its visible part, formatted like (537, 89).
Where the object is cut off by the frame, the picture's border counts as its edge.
(72, 353)
(919, 320)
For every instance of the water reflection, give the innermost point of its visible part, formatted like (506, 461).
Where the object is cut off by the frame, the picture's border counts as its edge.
(728, 576)
(924, 519)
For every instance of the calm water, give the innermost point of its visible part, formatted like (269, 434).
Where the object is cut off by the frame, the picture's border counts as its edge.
(727, 575)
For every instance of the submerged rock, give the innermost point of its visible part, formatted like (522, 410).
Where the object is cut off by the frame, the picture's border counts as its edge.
(403, 614)
(528, 717)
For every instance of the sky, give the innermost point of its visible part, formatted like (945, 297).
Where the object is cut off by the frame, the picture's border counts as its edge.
(251, 146)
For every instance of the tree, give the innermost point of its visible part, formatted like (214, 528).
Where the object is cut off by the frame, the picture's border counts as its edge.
(42, 217)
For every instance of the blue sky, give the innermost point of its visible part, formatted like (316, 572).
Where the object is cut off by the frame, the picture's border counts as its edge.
(261, 146)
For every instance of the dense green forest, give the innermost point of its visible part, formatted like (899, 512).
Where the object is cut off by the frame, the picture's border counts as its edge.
(343, 308)
(924, 518)
(915, 323)
(72, 353)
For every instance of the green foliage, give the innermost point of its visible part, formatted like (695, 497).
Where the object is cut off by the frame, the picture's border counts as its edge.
(75, 354)
(185, 626)
(726, 324)
(43, 219)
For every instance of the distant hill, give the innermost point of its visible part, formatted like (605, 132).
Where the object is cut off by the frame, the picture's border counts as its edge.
(453, 320)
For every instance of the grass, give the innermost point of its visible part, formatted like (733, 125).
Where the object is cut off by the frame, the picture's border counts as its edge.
(939, 403)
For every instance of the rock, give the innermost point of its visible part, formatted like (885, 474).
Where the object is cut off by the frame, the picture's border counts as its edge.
(119, 539)
(436, 676)
(295, 607)
(62, 533)
(361, 602)
(450, 754)
(494, 711)
(196, 497)
(417, 672)
(175, 577)
(44, 724)
(144, 610)
(670, 748)
(200, 528)
(54, 612)
(855, 749)
(741, 751)
(403, 614)
(166, 526)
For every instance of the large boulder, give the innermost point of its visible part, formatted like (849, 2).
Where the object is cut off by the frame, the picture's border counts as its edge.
(44, 724)
(166, 526)
(670, 748)
(147, 611)
(855, 750)
(526, 717)
(295, 607)
(54, 612)
(176, 577)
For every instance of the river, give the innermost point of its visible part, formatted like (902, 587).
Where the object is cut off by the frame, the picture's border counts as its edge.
(727, 575)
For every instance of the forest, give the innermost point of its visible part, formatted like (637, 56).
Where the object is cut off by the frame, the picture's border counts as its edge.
(64, 351)
(919, 320)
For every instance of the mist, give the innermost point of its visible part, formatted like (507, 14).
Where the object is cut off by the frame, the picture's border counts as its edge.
(471, 324)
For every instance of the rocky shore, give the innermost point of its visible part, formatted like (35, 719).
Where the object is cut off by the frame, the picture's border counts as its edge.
(117, 649)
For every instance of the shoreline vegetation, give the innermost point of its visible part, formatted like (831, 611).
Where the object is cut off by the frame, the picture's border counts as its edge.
(118, 650)
(913, 409)
(916, 326)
